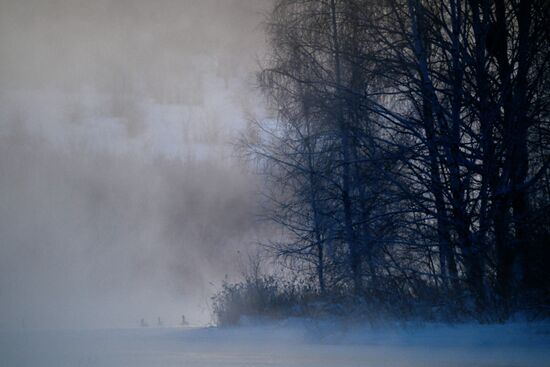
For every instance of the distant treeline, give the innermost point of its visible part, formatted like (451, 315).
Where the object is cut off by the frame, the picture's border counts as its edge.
(407, 159)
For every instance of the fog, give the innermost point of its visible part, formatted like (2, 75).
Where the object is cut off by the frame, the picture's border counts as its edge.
(120, 194)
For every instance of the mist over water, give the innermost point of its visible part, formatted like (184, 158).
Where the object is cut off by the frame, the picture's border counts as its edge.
(120, 194)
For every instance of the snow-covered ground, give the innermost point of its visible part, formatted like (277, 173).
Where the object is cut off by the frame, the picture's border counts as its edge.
(287, 344)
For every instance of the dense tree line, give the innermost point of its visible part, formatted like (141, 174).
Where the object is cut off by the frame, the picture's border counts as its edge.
(408, 155)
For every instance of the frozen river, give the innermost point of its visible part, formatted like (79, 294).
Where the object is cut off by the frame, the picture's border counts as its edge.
(283, 345)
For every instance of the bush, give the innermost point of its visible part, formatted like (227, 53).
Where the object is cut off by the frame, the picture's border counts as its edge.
(260, 297)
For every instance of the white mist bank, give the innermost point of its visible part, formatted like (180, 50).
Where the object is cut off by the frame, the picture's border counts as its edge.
(290, 343)
(120, 194)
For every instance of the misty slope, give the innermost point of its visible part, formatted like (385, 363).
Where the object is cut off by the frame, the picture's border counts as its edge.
(292, 344)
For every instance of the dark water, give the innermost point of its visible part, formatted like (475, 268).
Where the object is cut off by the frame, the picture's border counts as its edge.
(275, 347)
